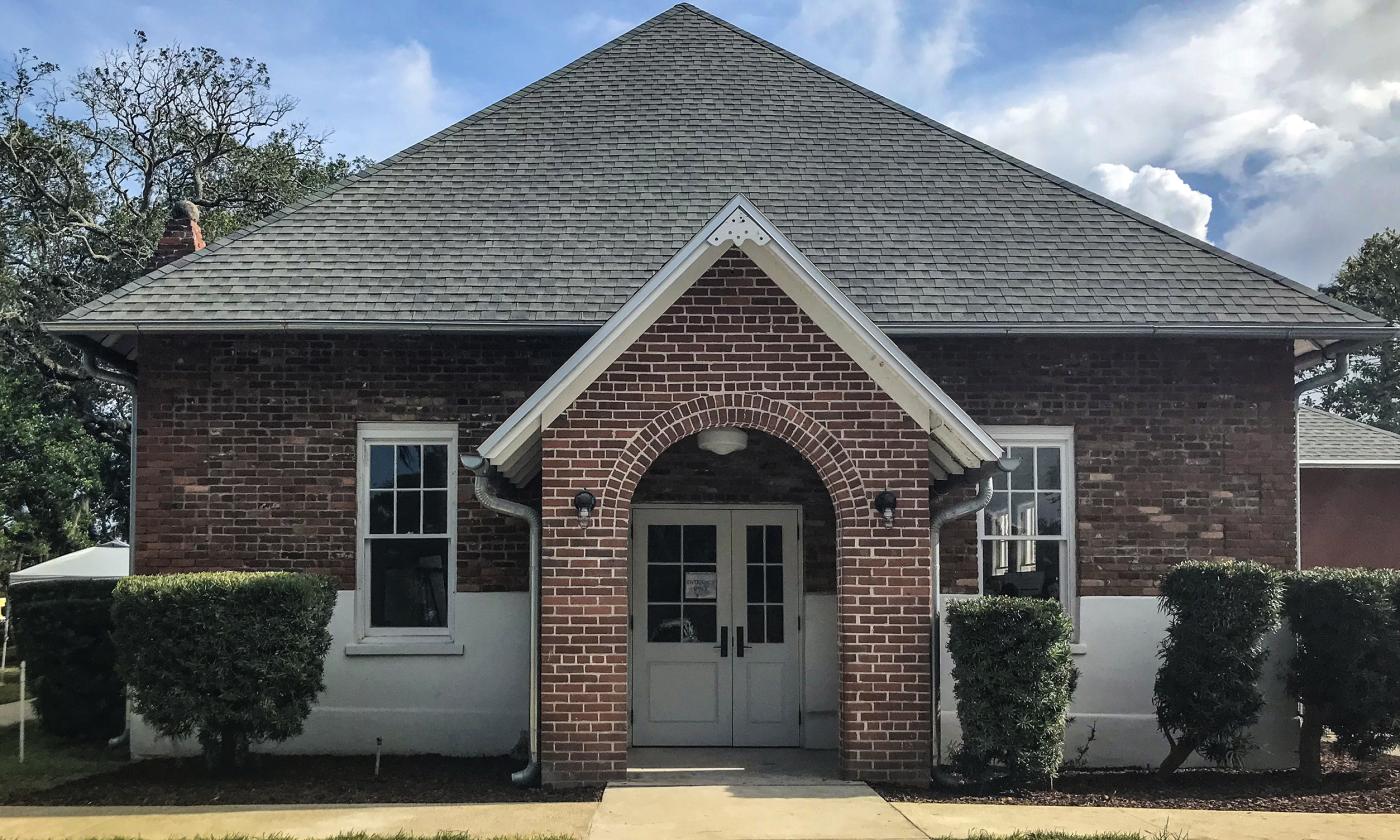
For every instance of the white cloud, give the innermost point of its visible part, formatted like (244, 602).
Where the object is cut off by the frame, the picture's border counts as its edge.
(1268, 100)
(875, 43)
(1156, 192)
(596, 26)
(380, 100)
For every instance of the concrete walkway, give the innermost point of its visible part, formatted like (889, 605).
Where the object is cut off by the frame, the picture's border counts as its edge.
(311, 821)
(937, 820)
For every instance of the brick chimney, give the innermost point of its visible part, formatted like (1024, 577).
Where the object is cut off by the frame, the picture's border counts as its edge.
(182, 235)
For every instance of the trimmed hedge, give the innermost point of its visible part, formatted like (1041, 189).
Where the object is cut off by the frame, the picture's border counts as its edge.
(1346, 672)
(1013, 677)
(65, 630)
(234, 658)
(1207, 694)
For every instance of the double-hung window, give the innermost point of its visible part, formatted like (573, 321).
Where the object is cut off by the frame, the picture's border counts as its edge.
(1026, 534)
(407, 529)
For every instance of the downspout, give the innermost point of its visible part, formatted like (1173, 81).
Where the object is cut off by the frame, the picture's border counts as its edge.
(121, 380)
(941, 517)
(1322, 380)
(529, 775)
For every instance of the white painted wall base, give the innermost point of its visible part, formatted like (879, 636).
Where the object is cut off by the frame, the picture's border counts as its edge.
(1117, 661)
(470, 703)
(820, 673)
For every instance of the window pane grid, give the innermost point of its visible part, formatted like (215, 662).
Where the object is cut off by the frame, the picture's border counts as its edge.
(1025, 530)
(409, 523)
(682, 580)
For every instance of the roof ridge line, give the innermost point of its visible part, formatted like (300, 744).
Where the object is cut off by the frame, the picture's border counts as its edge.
(1367, 426)
(373, 169)
(1187, 238)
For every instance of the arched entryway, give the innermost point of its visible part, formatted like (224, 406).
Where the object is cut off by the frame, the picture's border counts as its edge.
(733, 592)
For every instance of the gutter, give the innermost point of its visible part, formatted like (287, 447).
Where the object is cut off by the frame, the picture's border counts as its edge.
(529, 775)
(942, 516)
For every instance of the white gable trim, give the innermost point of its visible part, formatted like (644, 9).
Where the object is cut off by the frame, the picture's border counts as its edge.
(515, 446)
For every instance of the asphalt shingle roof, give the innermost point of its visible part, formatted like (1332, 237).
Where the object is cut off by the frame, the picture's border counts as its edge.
(555, 204)
(1323, 436)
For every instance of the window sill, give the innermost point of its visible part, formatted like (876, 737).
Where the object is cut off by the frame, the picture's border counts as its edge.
(399, 647)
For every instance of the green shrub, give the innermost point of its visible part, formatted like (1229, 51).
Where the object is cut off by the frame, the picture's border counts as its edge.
(1346, 672)
(1013, 678)
(232, 657)
(1207, 692)
(65, 629)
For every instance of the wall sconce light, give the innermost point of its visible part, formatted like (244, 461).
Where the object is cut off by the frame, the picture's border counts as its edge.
(584, 503)
(885, 503)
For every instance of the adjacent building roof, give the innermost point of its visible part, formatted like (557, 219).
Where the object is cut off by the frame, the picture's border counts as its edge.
(550, 208)
(956, 443)
(1326, 440)
(109, 560)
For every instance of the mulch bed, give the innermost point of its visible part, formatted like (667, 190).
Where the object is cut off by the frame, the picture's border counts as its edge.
(1347, 787)
(303, 780)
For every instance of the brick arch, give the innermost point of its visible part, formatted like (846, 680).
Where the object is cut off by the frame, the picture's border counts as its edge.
(782, 420)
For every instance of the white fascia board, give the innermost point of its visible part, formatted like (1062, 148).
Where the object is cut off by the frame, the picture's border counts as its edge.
(1358, 464)
(829, 308)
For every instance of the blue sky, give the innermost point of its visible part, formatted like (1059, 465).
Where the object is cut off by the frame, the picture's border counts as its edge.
(1271, 127)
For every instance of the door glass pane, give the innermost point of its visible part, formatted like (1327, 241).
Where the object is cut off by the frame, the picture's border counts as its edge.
(664, 623)
(755, 583)
(663, 583)
(774, 589)
(755, 625)
(753, 537)
(774, 547)
(663, 544)
(775, 625)
(700, 620)
(700, 544)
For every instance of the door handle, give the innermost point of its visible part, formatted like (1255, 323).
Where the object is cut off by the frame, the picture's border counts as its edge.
(739, 642)
(723, 642)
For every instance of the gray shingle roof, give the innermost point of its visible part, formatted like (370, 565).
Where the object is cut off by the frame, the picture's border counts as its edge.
(555, 204)
(1324, 437)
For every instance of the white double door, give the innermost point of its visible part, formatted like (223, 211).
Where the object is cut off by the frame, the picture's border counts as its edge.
(716, 650)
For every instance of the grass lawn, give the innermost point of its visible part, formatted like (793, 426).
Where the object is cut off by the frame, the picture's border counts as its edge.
(9, 692)
(47, 760)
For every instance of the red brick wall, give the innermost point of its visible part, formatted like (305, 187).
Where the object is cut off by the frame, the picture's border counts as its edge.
(1349, 518)
(734, 350)
(1184, 449)
(247, 444)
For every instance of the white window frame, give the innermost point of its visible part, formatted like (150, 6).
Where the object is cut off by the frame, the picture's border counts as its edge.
(401, 433)
(1063, 438)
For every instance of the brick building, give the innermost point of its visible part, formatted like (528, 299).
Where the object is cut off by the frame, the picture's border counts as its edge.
(711, 333)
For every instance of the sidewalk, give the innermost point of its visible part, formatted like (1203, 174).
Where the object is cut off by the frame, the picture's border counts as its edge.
(311, 821)
(698, 812)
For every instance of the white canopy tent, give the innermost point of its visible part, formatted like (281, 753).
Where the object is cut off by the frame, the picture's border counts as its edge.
(109, 560)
